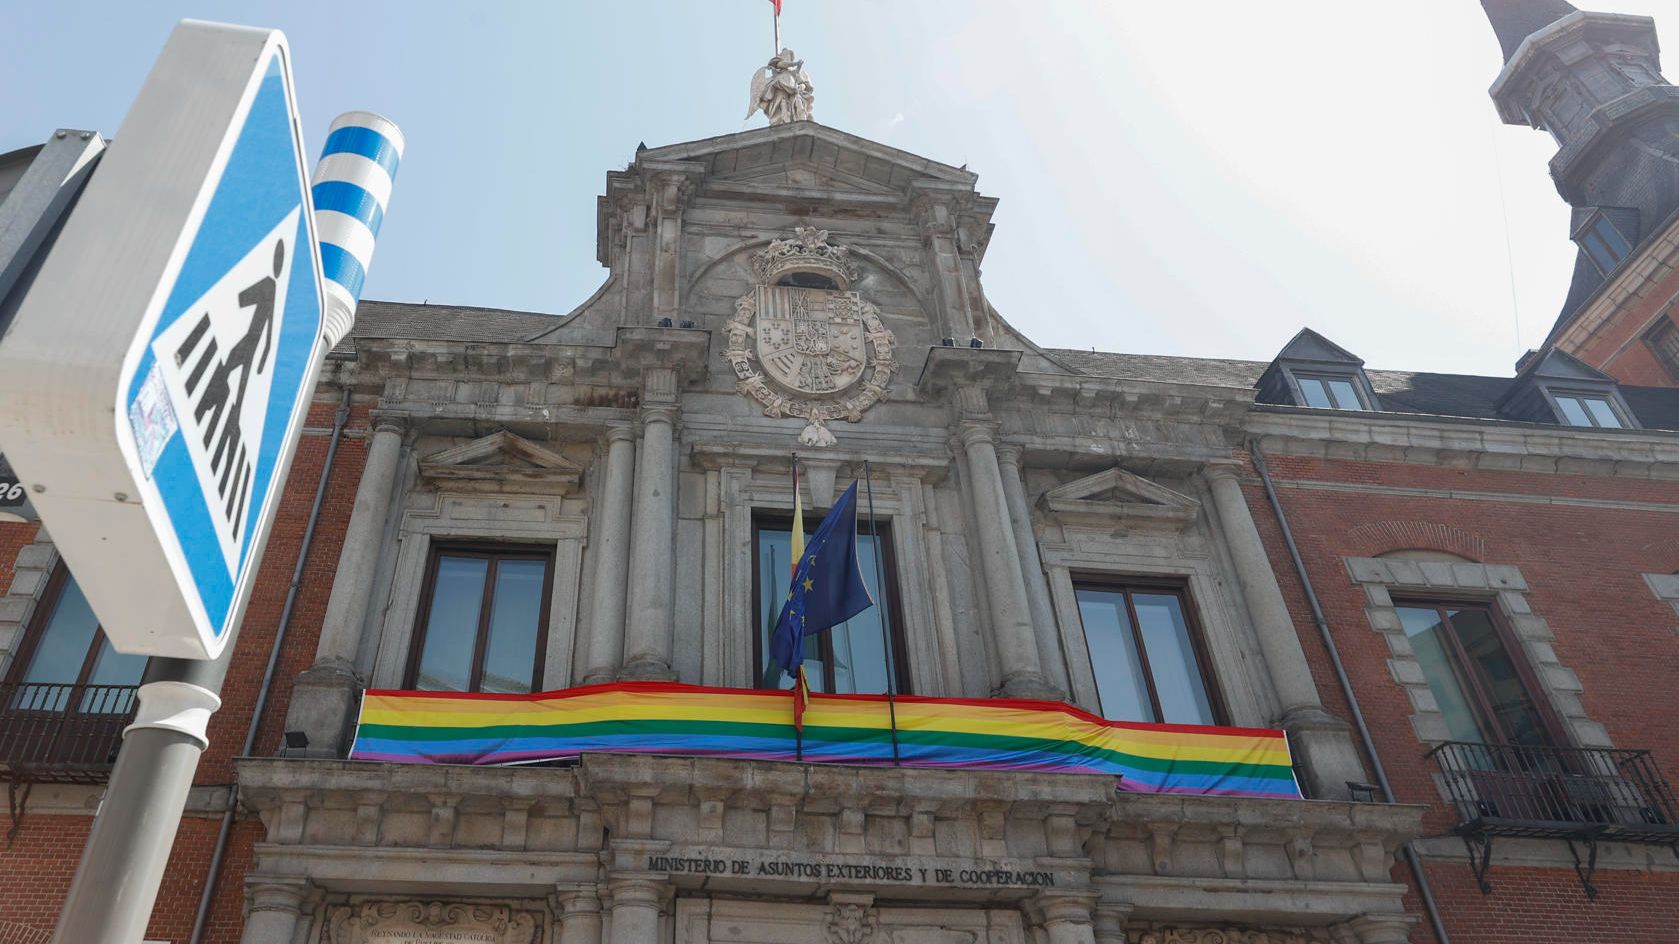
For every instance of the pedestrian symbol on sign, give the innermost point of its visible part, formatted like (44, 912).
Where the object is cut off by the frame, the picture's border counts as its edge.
(216, 364)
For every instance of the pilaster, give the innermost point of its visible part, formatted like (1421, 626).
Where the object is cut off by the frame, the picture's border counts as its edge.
(612, 560)
(649, 634)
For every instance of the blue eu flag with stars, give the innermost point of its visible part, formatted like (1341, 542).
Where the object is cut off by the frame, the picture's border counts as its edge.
(827, 587)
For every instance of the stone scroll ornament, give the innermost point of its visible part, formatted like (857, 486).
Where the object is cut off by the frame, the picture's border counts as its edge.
(822, 354)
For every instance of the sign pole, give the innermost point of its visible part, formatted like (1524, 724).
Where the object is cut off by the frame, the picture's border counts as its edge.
(116, 884)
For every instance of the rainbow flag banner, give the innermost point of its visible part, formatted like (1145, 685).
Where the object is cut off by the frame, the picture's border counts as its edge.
(666, 718)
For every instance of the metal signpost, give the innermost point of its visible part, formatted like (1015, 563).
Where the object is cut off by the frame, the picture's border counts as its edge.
(154, 380)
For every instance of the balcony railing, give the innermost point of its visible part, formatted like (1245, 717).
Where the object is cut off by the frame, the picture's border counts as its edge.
(51, 732)
(1582, 795)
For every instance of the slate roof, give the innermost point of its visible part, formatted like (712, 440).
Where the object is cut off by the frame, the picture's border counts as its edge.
(375, 319)
(1516, 20)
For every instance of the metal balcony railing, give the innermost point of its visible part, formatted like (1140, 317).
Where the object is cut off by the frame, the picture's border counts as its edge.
(51, 732)
(1579, 794)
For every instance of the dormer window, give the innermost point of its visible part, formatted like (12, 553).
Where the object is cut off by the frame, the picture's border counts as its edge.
(1581, 409)
(1603, 242)
(1330, 393)
(1313, 371)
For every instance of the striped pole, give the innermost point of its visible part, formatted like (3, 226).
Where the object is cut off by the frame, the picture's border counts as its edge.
(351, 189)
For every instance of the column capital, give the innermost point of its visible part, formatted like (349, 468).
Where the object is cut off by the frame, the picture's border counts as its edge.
(1215, 470)
(579, 899)
(276, 893)
(638, 888)
(390, 421)
(659, 413)
(1010, 454)
(620, 432)
(1110, 921)
(1379, 928)
(1065, 905)
(976, 432)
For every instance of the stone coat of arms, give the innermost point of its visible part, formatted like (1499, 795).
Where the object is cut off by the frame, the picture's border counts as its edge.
(802, 344)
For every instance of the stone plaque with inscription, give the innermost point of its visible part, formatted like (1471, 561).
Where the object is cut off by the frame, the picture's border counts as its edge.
(434, 922)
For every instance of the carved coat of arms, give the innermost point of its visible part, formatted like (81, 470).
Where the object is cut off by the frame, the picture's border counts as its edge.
(802, 344)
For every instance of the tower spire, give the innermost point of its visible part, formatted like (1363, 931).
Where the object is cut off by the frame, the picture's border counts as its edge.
(1516, 20)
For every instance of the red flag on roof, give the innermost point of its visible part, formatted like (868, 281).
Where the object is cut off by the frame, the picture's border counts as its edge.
(777, 5)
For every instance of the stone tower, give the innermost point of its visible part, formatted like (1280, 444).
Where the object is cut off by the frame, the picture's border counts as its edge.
(1594, 82)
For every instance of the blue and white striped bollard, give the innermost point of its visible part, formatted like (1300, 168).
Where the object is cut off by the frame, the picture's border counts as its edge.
(351, 189)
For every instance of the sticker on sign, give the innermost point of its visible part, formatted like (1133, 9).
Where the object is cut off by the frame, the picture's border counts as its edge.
(159, 420)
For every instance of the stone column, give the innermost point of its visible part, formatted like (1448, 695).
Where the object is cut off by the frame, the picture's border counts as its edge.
(647, 638)
(1067, 916)
(635, 908)
(274, 906)
(612, 557)
(579, 913)
(1011, 621)
(1378, 928)
(324, 692)
(1038, 604)
(1324, 742)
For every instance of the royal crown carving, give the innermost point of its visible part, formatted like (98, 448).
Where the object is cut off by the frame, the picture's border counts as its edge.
(808, 251)
(818, 353)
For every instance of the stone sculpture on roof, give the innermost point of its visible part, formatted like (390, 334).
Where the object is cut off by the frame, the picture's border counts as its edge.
(782, 90)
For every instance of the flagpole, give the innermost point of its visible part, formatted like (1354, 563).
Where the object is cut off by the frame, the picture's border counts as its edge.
(798, 522)
(776, 14)
(885, 631)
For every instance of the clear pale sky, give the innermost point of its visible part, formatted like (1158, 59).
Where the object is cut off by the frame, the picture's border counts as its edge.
(1176, 178)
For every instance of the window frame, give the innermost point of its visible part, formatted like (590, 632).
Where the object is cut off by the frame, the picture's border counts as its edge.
(1592, 228)
(781, 520)
(1470, 677)
(1552, 394)
(36, 630)
(1361, 390)
(1129, 584)
(494, 552)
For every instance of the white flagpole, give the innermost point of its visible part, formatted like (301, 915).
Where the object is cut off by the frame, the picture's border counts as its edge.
(885, 629)
(775, 13)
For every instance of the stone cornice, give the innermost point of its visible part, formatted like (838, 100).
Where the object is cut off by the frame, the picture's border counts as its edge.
(1466, 442)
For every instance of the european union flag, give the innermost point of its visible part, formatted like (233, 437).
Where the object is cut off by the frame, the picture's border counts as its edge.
(827, 587)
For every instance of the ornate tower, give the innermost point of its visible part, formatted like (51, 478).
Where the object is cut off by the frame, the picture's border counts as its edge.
(1593, 81)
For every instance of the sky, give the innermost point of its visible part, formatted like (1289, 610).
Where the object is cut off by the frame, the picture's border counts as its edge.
(1199, 179)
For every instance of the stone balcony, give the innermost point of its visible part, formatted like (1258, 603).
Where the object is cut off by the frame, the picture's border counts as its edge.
(715, 827)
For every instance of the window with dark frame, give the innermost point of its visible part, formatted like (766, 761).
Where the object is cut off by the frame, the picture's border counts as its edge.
(853, 657)
(1147, 653)
(1603, 243)
(1327, 392)
(483, 621)
(65, 661)
(1484, 690)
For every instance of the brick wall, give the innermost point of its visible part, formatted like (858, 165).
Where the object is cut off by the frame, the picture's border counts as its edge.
(36, 867)
(1583, 562)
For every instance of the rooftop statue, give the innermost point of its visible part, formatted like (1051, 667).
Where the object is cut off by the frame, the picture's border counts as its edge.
(782, 90)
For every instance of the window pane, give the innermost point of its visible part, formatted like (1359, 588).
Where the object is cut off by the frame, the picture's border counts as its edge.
(1433, 650)
(515, 620)
(1612, 238)
(1604, 257)
(1346, 398)
(1572, 412)
(1517, 715)
(64, 644)
(111, 667)
(1171, 659)
(452, 625)
(1602, 412)
(859, 652)
(1120, 684)
(1313, 390)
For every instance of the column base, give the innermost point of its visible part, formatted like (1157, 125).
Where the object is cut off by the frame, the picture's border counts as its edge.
(1029, 685)
(323, 701)
(1327, 751)
(646, 670)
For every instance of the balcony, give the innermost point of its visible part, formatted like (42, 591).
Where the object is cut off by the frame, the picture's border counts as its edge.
(1580, 795)
(62, 733)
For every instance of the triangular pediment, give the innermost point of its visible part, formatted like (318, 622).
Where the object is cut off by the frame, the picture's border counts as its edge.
(790, 154)
(502, 460)
(1308, 345)
(1560, 365)
(1123, 498)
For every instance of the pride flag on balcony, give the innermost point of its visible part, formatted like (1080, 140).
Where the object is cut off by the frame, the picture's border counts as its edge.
(690, 720)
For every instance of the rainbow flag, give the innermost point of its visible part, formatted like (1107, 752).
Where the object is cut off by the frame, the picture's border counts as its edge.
(667, 718)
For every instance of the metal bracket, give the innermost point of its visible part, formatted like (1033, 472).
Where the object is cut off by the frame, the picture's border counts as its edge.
(1484, 844)
(1589, 868)
(16, 802)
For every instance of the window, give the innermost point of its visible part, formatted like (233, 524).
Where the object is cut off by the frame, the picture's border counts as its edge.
(1664, 341)
(483, 626)
(1586, 410)
(1146, 655)
(808, 280)
(853, 656)
(66, 661)
(1603, 243)
(1330, 393)
(1482, 690)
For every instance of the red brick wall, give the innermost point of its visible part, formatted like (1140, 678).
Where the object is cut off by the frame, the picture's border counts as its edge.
(37, 866)
(1583, 565)
(1615, 347)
